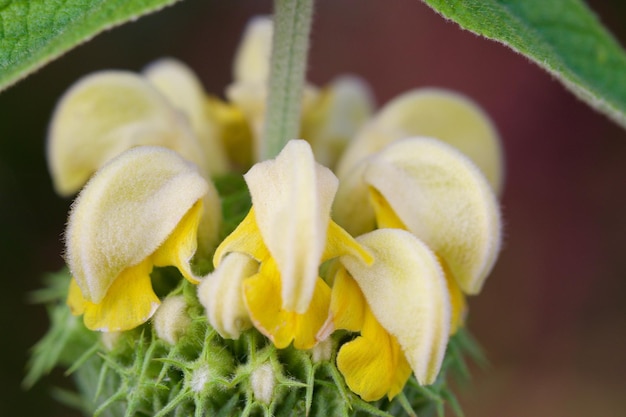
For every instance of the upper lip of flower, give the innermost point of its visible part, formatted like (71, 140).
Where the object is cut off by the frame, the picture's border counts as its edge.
(142, 208)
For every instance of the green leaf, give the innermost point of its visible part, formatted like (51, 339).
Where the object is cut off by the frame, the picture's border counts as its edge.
(34, 32)
(562, 36)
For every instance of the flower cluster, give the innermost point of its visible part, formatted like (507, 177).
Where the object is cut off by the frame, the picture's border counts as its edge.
(378, 225)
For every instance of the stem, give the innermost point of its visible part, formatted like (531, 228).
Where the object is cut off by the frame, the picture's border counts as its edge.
(290, 44)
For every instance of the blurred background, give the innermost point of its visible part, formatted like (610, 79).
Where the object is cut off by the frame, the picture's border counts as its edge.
(552, 316)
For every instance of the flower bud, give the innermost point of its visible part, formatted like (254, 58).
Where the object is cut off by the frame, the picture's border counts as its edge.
(171, 319)
(263, 381)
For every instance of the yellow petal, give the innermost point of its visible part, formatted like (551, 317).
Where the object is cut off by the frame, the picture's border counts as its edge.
(221, 294)
(103, 115)
(292, 195)
(406, 291)
(340, 243)
(385, 216)
(458, 301)
(246, 238)
(183, 89)
(347, 304)
(334, 117)
(262, 295)
(234, 131)
(75, 299)
(438, 113)
(181, 245)
(450, 205)
(125, 212)
(372, 364)
(129, 302)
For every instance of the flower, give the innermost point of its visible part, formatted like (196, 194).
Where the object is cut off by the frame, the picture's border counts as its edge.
(400, 306)
(106, 113)
(286, 235)
(140, 210)
(428, 186)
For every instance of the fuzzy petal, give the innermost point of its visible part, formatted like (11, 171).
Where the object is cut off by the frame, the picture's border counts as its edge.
(406, 291)
(252, 60)
(450, 206)
(351, 208)
(335, 116)
(183, 89)
(125, 212)
(103, 115)
(221, 294)
(292, 196)
(129, 302)
(442, 114)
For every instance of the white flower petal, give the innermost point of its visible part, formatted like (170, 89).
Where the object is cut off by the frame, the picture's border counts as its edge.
(335, 116)
(444, 200)
(103, 115)
(184, 91)
(292, 196)
(252, 60)
(125, 212)
(406, 290)
(442, 114)
(221, 294)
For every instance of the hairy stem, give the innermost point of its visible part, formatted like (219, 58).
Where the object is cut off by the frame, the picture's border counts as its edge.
(292, 26)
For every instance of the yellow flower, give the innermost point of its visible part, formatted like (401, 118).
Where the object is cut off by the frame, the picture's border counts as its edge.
(286, 235)
(428, 186)
(400, 306)
(108, 112)
(142, 209)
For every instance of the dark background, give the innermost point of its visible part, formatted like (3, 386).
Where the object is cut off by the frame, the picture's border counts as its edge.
(552, 316)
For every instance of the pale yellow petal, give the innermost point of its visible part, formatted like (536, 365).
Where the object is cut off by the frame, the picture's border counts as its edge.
(221, 294)
(252, 59)
(351, 208)
(125, 212)
(335, 116)
(292, 196)
(406, 290)
(103, 115)
(178, 83)
(442, 114)
(171, 319)
(444, 200)
(128, 303)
